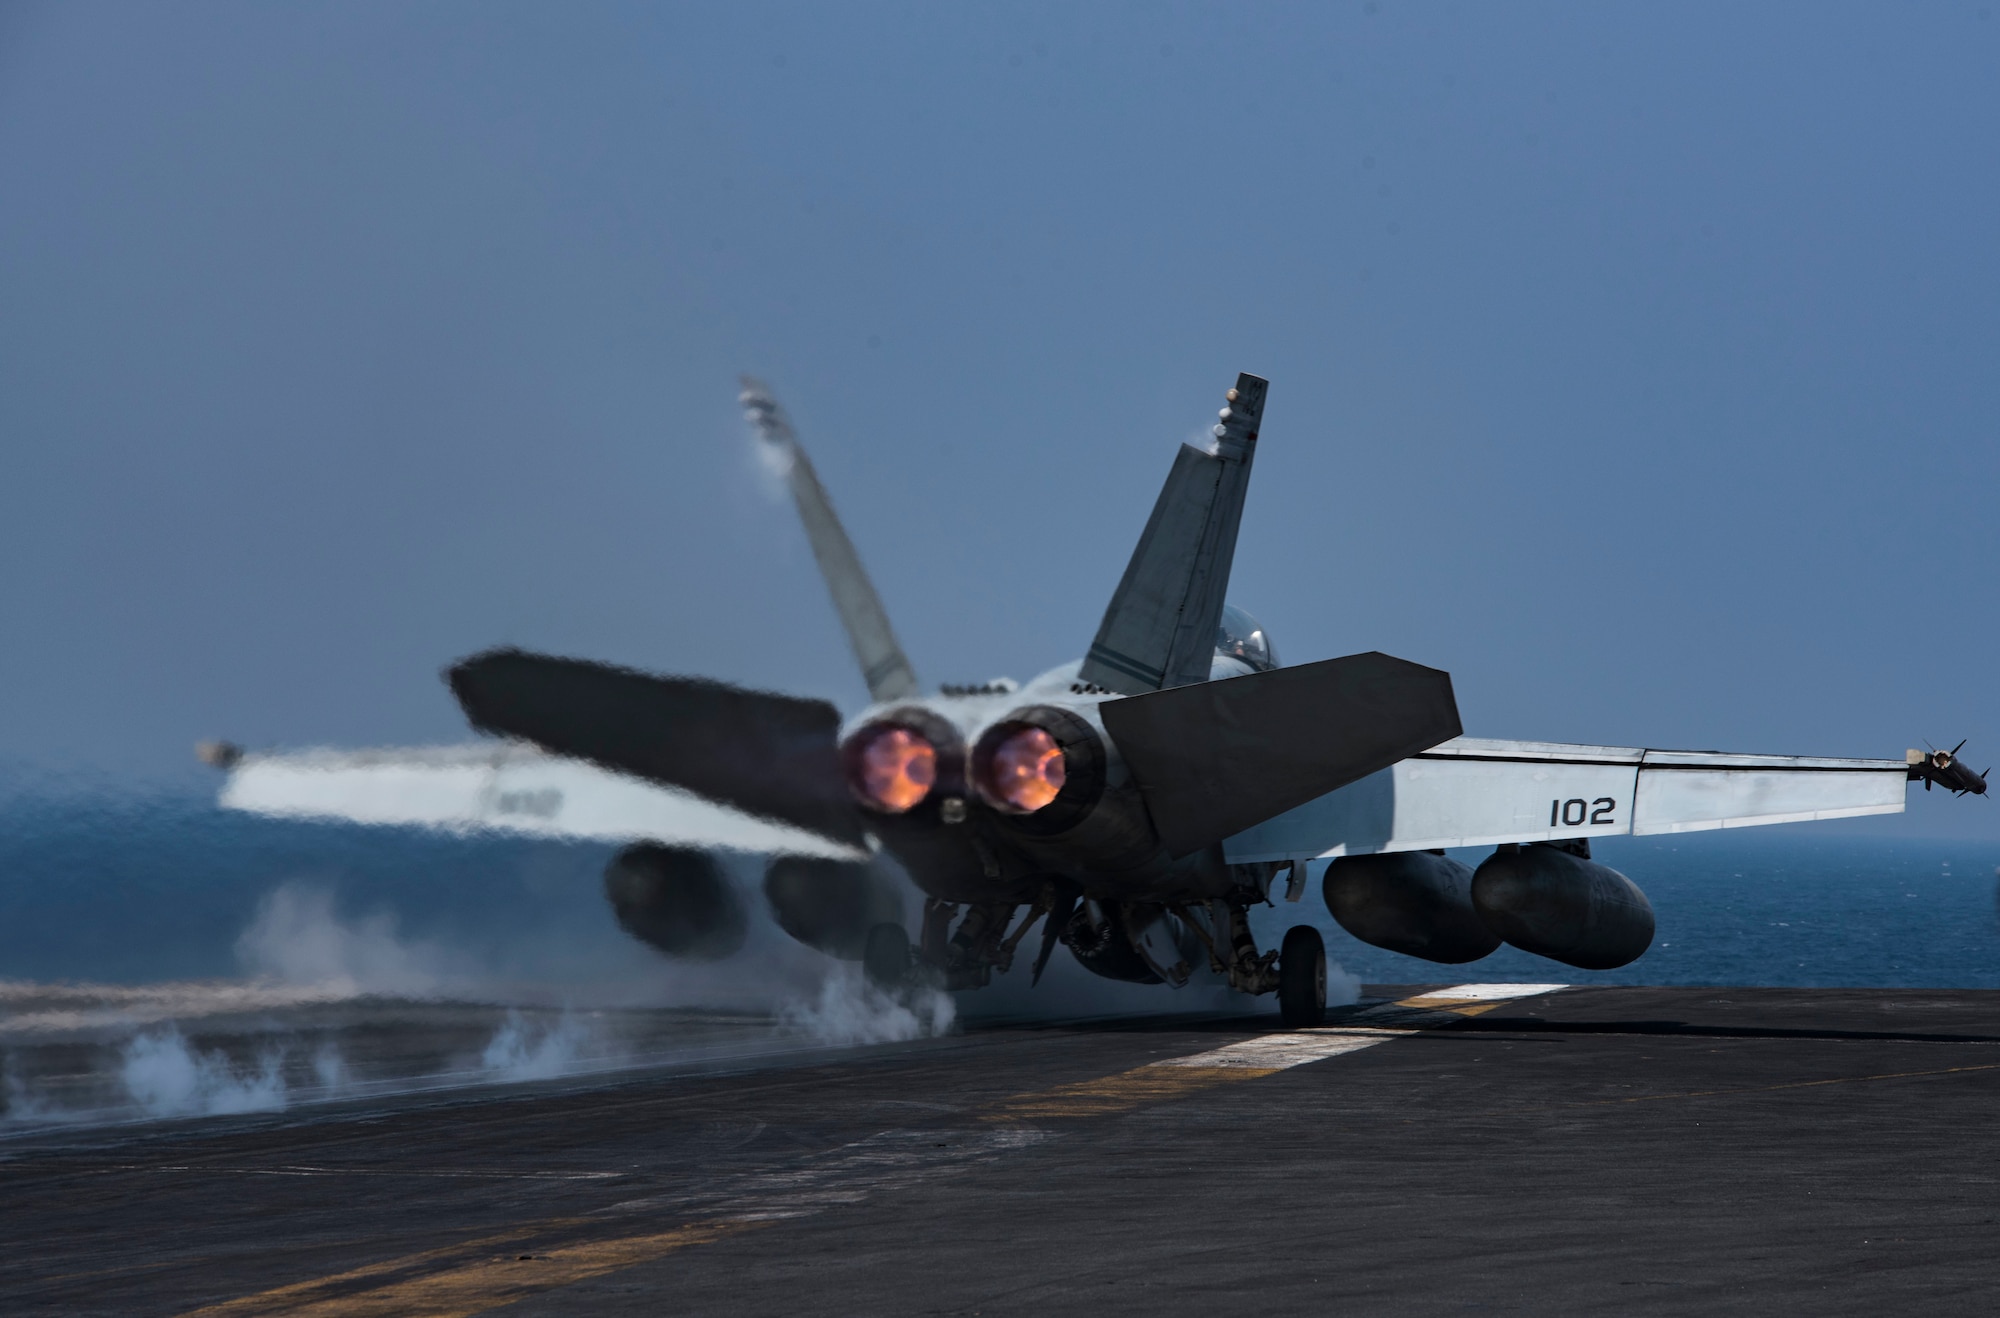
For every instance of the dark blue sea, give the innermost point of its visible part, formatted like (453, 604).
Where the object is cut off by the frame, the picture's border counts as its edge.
(160, 957)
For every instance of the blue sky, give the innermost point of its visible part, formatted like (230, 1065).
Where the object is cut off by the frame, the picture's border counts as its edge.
(1636, 363)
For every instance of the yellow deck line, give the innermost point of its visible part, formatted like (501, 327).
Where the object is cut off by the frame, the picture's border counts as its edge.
(473, 1286)
(484, 1277)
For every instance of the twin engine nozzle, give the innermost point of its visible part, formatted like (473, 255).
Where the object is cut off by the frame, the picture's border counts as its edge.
(1040, 763)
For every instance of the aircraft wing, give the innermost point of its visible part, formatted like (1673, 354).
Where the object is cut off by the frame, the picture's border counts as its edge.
(1471, 792)
(503, 788)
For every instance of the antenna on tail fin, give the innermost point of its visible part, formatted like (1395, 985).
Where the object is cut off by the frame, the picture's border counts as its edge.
(883, 664)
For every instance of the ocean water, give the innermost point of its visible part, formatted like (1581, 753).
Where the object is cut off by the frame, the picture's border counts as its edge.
(162, 958)
(1781, 906)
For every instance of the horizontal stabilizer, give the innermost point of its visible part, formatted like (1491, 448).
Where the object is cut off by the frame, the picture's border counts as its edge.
(1214, 758)
(768, 755)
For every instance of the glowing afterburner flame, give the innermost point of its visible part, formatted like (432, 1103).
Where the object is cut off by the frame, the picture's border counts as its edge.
(1027, 771)
(897, 768)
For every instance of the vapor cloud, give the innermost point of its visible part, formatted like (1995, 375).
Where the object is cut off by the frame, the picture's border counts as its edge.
(298, 938)
(849, 1010)
(166, 1078)
(520, 1051)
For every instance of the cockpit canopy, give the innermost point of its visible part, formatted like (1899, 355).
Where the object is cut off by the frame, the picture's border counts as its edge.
(1243, 638)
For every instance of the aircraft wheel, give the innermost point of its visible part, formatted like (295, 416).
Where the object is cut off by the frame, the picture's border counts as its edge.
(885, 957)
(1302, 977)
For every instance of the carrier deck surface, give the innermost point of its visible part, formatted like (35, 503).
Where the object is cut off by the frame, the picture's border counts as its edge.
(1590, 1149)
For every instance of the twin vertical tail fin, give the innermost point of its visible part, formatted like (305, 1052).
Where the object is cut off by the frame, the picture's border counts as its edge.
(1159, 630)
(884, 666)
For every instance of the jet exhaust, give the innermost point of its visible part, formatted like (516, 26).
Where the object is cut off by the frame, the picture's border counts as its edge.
(1549, 900)
(894, 768)
(1418, 903)
(675, 899)
(1025, 771)
(1042, 766)
(906, 769)
(901, 760)
(1061, 798)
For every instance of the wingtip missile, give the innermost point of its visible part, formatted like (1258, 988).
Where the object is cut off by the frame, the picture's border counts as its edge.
(1945, 770)
(224, 755)
(884, 666)
(764, 412)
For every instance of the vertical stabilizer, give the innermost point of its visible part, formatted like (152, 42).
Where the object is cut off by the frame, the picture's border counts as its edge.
(1160, 629)
(883, 665)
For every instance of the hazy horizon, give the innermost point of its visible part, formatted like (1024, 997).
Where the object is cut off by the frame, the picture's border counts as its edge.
(1632, 363)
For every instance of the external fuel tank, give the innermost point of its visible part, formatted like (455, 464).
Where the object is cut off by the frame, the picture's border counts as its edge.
(1418, 903)
(1550, 901)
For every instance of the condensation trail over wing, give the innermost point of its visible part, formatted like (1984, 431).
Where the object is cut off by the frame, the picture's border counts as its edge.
(883, 664)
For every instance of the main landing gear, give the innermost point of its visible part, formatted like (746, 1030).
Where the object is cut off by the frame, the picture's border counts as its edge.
(1302, 978)
(983, 943)
(964, 958)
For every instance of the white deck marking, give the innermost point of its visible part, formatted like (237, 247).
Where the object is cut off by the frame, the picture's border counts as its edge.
(474, 1276)
(1279, 1052)
(1478, 993)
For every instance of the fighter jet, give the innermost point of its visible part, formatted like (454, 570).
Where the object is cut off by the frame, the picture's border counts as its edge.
(1132, 806)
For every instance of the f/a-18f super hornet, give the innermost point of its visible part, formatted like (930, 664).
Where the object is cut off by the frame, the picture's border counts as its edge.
(1133, 806)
